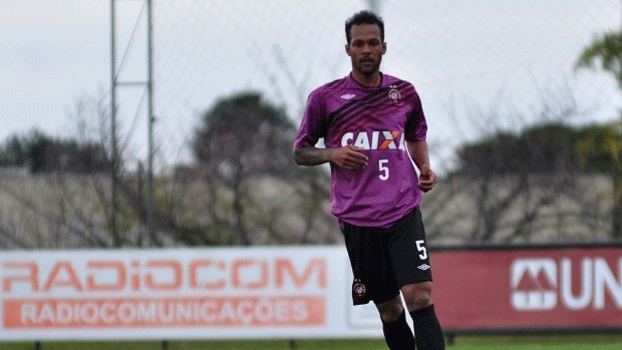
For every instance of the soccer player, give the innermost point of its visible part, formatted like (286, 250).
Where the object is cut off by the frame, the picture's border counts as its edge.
(374, 133)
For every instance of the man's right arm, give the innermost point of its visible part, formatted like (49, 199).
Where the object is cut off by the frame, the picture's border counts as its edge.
(347, 157)
(312, 155)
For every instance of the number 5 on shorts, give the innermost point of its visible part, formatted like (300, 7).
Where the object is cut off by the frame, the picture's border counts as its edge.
(423, 253)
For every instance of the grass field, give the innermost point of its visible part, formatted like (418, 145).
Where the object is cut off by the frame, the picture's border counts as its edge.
(543, 342)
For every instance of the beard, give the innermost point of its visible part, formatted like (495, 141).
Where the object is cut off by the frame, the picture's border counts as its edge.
(367, 66)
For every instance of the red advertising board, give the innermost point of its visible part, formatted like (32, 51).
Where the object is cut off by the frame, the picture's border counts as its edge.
(562, 288)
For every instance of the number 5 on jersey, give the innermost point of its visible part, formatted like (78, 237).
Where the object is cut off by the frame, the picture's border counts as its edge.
(383, 169)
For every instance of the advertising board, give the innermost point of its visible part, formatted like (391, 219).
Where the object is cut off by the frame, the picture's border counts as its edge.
(294, 292)
(529, 289)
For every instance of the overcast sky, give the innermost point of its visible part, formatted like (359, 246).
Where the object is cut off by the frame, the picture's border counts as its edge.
(494, 57)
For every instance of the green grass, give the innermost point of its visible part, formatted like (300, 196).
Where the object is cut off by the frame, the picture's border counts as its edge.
(326, 344)
(527, 342)
(539, 342)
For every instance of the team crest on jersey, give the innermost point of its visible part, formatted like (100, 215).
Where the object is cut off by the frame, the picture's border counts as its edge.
(359, 289)
(394, 94)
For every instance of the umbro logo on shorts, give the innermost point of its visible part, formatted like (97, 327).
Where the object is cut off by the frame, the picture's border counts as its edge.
(424, 267)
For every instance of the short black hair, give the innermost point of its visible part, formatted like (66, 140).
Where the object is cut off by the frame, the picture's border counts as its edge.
(364, 17)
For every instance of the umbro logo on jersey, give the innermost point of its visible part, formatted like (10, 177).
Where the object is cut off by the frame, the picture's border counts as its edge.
(424, 267)
(348, 96)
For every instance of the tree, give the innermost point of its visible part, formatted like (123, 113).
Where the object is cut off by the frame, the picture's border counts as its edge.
(608, 51)
(13, 152)
(245, 178)
(504, 169)
(44, 154)
(606, 141)
(538, 149)
(598, 148)
(67, 203)
(243, 135)
(532, 170)
(244, 141)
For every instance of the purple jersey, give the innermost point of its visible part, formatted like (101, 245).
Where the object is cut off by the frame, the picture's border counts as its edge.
(379, 120)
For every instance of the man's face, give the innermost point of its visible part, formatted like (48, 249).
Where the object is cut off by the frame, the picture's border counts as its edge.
(366, 48)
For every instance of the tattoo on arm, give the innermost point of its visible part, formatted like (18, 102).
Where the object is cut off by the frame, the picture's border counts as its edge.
(312, 155)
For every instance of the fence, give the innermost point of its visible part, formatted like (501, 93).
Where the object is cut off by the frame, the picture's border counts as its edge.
(479, 65)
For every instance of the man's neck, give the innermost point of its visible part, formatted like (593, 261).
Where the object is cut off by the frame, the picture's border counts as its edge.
(371, 80)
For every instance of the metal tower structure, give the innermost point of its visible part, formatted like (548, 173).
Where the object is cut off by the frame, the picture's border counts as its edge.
(116, 83)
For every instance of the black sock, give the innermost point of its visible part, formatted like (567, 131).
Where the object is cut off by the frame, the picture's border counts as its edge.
(428, 332)
(398, 335)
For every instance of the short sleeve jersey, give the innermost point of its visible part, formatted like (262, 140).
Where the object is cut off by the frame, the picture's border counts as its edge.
(379, 120)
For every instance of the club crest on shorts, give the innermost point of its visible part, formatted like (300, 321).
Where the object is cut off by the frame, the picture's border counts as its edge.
(394, 94)
(359, 289)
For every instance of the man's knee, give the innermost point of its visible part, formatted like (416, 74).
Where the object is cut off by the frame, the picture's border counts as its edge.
(417, 295)
(390, 310)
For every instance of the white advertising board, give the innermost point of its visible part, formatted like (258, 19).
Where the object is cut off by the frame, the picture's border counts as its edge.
(224, 293)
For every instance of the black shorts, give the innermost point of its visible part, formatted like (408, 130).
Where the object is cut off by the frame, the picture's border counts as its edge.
(385, 259)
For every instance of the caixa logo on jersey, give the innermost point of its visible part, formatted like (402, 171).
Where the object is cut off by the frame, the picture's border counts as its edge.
(374, 140)
(541, 284)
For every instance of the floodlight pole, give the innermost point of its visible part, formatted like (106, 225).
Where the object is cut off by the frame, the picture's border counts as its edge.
(150, 200)
(151, 237)
(113, 118)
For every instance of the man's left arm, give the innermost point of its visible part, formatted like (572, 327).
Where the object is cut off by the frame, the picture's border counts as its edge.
(418, 151)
